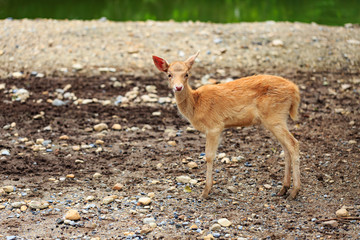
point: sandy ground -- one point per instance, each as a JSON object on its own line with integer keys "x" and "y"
{"x": 56, "y": 47}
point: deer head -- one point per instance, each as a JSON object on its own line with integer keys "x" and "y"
{"x": 178, "y": 72}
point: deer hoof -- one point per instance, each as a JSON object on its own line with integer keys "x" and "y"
{"x": 283, "y": 191}
{"x": 293, "y": 195}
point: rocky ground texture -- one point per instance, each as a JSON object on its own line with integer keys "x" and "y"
{"x": 93, "y": 147}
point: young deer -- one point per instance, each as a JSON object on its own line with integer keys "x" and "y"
{"x": 260, "y": 99}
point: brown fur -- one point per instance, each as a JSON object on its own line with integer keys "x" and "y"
{"x": 260, "y": 99}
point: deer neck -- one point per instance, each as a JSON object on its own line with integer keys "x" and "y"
{"x": 185, "y": 101}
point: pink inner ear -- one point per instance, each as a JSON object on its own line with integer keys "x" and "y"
{"x": 160, "y": 63}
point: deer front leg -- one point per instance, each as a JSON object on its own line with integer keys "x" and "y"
{"x": 212, "y": 142}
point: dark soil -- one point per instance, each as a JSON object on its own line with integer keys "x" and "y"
{"x": 328, "y": 131}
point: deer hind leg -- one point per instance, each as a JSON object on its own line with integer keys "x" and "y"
{"x": 291, "y": 150}
{"x": 212, "y": 142}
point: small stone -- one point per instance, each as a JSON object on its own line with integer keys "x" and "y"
{"x": 172, "y": 143}
{"x": 5, "y": 152}
{"x": 156, "y": 114}
{"x": 146, "y": 229}
{"x": 58, "y": 102}
{"x": 118, "y": 187}
{"x": 101, "y": 126}
{"x": 72, "y": 215}
{"x": 144, "y": 201}
{"x": 2, "y": 206}
{"x": 116, "y": 126}
{"x": 267, "y": 186}
{"x": 17, "y": 204}
{"x": 190, "y": 129}
{"x": 23, "y": 208}
{"x": 17, "y": 74}
{"x": 90, "y": 198}
{"x": 70, "y": 176}
{"x": 64, "y": 137}
{"x": 148, "y": 220}
{"x": 151, "y": 195}
{"x": 193, "y": 227}
{"x": 215, "y": 227}
{"x": 221, "y": 155}
{"x": 224, "y": 222}
{"x": 192, "y": 165}
{"x": 209, "y": 237}
{"x": 99, "y": 142}
{"x": 109, "y": 199}
{"x": 8, "y": 189}
{"x": 183, "y": 179}
{"x": 76, "y": 148}
{"x": 38, "y": 204}
{"x": 77, "y": 66}
{"x": 232, "y": 189}
{"x": 345, "y": 86}
{"x": 277, "y": 43}
{"x": 97, "y": 175}
{"x": 342, "y": 213}
{"x": 331, "y": 223}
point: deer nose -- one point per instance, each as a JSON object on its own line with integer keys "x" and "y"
{"x": 178, "y": 88}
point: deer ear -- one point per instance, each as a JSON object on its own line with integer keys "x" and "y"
{"x": 190, "y": 61}
{"x": 160, "y": 63}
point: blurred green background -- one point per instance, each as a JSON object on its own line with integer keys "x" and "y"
{"x": 329, "y": 12}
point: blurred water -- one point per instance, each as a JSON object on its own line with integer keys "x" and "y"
{"x": 329, "y": 12}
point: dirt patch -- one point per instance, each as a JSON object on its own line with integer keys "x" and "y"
{"x": 141, "y": 157}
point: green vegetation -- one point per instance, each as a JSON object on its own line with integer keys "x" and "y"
{"x": 329, "y": 12}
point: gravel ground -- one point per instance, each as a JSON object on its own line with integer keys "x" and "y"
{"x": 92, "y": 145}
{"x": 55, "y": 47}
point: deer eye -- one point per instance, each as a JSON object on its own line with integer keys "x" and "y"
{"x": 186, "y": 75}
{"x": 170, "y": 76}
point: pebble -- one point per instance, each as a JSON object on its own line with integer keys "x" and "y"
{"x": 149, "y": 220}
{"x": 17, "y": 74}
{"x": 57, "y": 102}
{"x": 215, "y": 227}
{"x": 38, "y": 204}
{"x": 224, "y": 222}
{"x": 118, "y": 187}
{"x": 70, "y": 176}
{"x": 22, "y": 95}
{"x": 101, "y": 126}
{"x": 183, "y": 179}
{"x": 9, "y": 189}
{"x": 17, "y": 204}
{"x": 209, "y": 237}
{"x": 221, "y": 155}
{"x": 116, "y": 126}
{"x": 331, "y": 223}
{"x": 77, "y": 66}
{"x": 97, "y": 175}
{"x": 192, "y": 165}
{"x": 72, "y": 215}
{"x": 151, "y": 195}
{"x": 267, "y": 186}
{"x": 277, "y": 43}
{"x": 146, "y": 229}
{"x": 90, "y": 198}
{"x": 5, "y": 152}
{"x": 76, "y": 148}
{"x": 144, "y": 201}
{"x": 342, "y": 213}
{"x": 64, "y": 137}
{"x": 109, "y": 199}
{"x": 232, "y": 189}
{"x": 23, "y": 208}
{"x": 2, "y": 206}
{"x": 171, "y": 143}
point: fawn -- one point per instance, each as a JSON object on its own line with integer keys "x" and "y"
{"x": 259, "y": 99}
